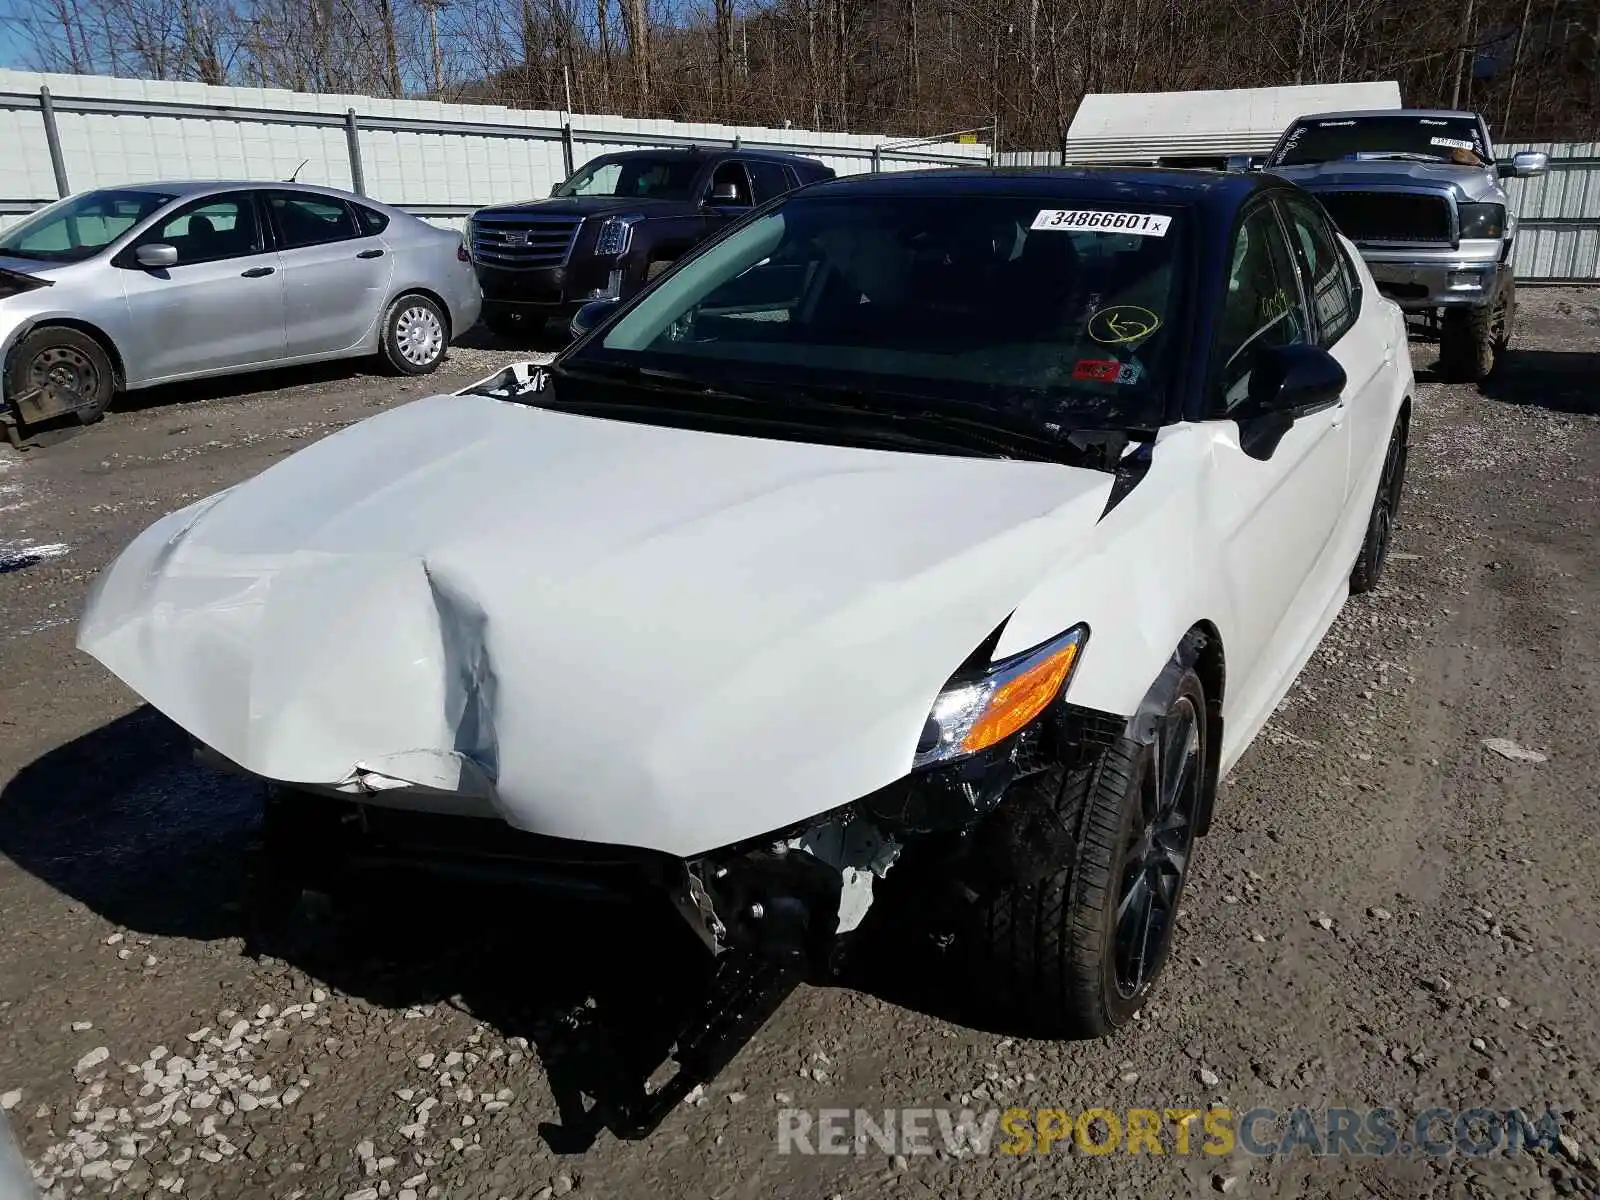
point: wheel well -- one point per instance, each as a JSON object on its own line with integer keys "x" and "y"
{"x": 1211, "y": 666}
{"x": 427, "y": 294}
{"x": 119, "y": 374}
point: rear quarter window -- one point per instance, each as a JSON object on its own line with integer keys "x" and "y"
{"x": 370, "y": 220}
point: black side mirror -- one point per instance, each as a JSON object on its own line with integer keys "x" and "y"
{"x": 724, "y": 193}
{"x": 590, "y": 315}
{"x": 1286, "y": 383}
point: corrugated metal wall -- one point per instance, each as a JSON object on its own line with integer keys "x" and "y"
{"x": 1558, "y": 233}
{"x": 441, "y": 161}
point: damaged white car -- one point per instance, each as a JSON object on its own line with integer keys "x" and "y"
{"x": 953, "y": 532}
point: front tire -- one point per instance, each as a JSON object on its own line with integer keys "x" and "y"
{"x": 70, "y": 369}
{"x": 416, "y": 334}
{"x": 1468, "y": 344}
{"x": 1385, "y": 508}
{"x": 1077, "y": 952}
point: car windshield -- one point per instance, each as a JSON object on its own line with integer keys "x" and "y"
{"x": 80, "y": 226}
{"x": 1457, "y": 140}
{"x": 1053, "y": 313}
{"x": 647, "y": 178}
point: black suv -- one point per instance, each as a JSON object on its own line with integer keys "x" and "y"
{"x": 616, "y": 224}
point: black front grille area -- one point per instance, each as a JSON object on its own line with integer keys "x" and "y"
{"x": 1407, "y": 218}
{"x": 523, "y": 240}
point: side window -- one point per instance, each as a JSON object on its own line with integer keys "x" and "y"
{"x": 372, "y": 221}
{"x": 1263, "y": 306}
{"x": 308, "y": 220}
{"x": 792, "y": 175}
{"x": 211, "y": 229}
{"x": 1328, "y": 280}
{"x": 602, "y": 183}
{"x": 730, "y": 174}
{"x": 769, "y": 179}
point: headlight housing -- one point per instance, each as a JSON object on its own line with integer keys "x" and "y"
{"x": 616, "y": 233}
{"x": 1483, "y": 220}
{"x": 973, "y": 714}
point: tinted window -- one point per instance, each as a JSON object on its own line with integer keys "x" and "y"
{"x": 1429, "y": 139}
{"x": 371, "y": 221}
{"x": 216, "y": 227}
{"x": 305, "y": 220}
{"x": 1323, "y": 269}
{"x": 80, "y": 226}
{"x": 665, "y": 178}
{"x": 1262, "y": 307}
{"x": 952, "y": 297}
{"x": 730, "y": 173}
{"x": 769, "y": 180}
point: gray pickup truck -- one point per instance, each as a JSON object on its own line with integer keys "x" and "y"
{"x": 1419, "y": 193}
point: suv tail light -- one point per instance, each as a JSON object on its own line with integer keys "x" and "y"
{"x": 461, "y": 253}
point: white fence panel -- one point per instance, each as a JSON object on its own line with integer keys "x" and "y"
{"x": 440, "y": 160}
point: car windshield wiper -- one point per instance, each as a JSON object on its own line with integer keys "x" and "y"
{"x": 779, "y": 403}
{"x": 1400, "y": 156}
{"x": 975, "y": 416}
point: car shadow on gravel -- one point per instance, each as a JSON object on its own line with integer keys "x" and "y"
{"x": 544, "y": 338}
{"x": 1561, "y": 381}
{"x": 125, "y": 821}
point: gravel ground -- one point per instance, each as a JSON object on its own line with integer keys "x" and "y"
{"x": 1387, "y": 913}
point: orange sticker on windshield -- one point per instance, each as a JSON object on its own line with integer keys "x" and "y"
{"x": 1123, "y": 324}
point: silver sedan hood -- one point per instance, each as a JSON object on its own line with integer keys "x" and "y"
{"x": 601, "y": 630}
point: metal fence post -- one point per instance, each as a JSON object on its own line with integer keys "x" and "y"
{"x": 352, "y": 141}
{"x": 877, "y": 160}
{"x": 566, "y": 148}
{"x": 52, "y": 139}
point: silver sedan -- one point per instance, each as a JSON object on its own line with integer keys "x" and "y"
{"x": 123, "y": 288}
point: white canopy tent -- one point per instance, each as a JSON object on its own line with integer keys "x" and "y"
{"x": 1176, "y": 128}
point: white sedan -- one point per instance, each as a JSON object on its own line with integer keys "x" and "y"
{"x": 950, "y": 532}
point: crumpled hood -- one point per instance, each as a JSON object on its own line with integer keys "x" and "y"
{"x": 611, "y": 631}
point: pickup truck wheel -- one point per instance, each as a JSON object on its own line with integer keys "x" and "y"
{"x": 1467, "y": 344}
{"x": 1077, "y": 952}
{"x": 1385, "y": 507}
{"x": 1505, "y": 315}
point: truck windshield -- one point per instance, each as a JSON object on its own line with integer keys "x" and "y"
{"x": 1055, "y": 312}
{"x": 1456, "y": 140}
{"x": 80, "y": 226}
{"x": 640, "y": 178}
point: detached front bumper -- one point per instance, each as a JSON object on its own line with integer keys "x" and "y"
{"x": 1417, "y": 285}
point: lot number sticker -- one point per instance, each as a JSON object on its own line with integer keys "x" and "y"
{"x": 1080, "y": 220}
{"x": 1451, "y": 143}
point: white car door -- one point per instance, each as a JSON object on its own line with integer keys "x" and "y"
{"x": 1354, "y": 329}
{"x": 220, "y": 307}
{"x": 335, "y": 274}
{"x": 1277, "y": 512}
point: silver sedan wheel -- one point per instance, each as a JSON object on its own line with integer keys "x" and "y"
{"x": 419, "y": 335}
